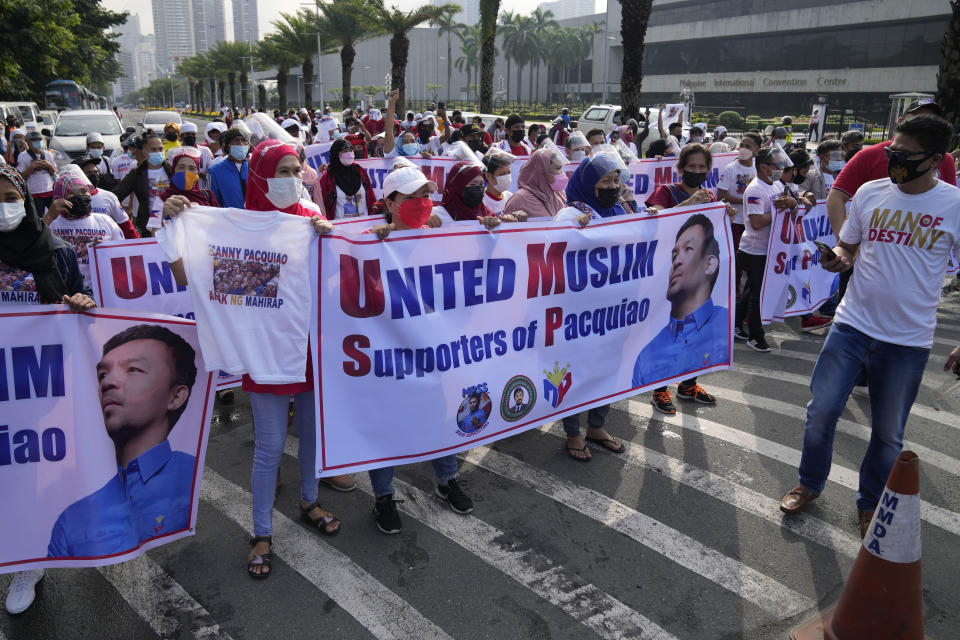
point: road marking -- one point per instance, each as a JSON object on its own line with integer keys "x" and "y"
{"x": 380, "y": 610}
{"x": 161, "y": 601}
{"x": 848, "y": 427}
{"x": 727, "y": 491}
{"x": 938, "y": 516}
{"x": 778, "y": 329}
{"x": 584, "y": 602}
{"x": 736, "y": 577}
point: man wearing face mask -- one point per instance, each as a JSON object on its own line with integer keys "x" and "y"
{"x": 497, "y": 176}
{"x": 762, "y": 197}
{"x": 778, "y": 137}
{"x": 733, "y": 183}
{"x": 473, "y": 136}
{"x": 171, "y": 136}
{"x": 150, "y": 178}
{"x": 101, "y": 200}
{"x": 515, "y": 142}
{"x": 38, "y": 169}
{"x": 427, "y": 138}
{"x": 697, "y": 134}
{"x": 95, "y": 149}
{"x": 577, "y": 147}
{"x": 820, "y": 178}
{"x": 228, "y": 179}
{"x": 900, "y": 232}
{"x": 852, "y": 143}
{"x": 188, "y": 138}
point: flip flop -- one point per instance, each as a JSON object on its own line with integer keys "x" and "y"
{"x": 583, "y": 448}
{"x": 603, "y": 443}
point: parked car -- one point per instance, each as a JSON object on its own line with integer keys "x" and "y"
{"x": 68, "y": 140}
{"x": 156, "y": 120}
{"x": 29, "y": 114}
{"x": 607, "y": 117}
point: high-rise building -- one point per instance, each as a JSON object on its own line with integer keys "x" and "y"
{"x": 137, "y": 57}
{"x": 174, "y": 31}
{"x": 566, "y": 9}
{"x": 209, "y": 24}
{"x": 471, "y": 10}
{"x": 245, "y": 21}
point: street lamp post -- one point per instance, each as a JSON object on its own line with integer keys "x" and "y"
{"x": 606, "y": 62}
{"x": 363, "y": 90}
{"x": 253, "y": 99}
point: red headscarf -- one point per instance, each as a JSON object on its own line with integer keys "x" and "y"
{"x": 458, "y": 178}
{"x": 263, "y": 165}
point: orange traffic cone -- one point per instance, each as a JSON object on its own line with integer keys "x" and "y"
{"x": 883, "y": 597}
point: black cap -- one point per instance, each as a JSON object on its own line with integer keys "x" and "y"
{"x": 925, "y": 102}
{"x": 513, "y": 119}
{"x": 469, "y": 129}
{"x": 34, "y": 135}
{"x": 83, "y": 161}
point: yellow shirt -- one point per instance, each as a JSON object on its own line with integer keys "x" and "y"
{"x": 167, "y": 145}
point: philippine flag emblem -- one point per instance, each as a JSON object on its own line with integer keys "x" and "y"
{"x": 556, "y": 384}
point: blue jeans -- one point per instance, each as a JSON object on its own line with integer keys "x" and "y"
{"x": 269, "y": 434}
{"x": 445, "y": 469}
{"x": 894, "y": 373}
{"x": 596, "y": 418}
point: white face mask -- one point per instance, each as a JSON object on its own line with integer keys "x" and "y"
{"x": 11, "y": 215}
{"x": 578, "y": 155}
{"x": 776, "y": 174}
{"x": 503, "y": 182}
{"x": 284, "y": 192}
{"x": 745, "y": 154}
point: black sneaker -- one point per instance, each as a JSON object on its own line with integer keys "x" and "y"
{"x": 454, "y": 495}
{"x": 739, "y": 333}
{"x": 758, "y": 344}
{"x": 662, "y": 401}
{"x": 388, "y": 520}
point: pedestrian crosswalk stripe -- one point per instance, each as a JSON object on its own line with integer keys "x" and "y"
{"x": 731, "y": 574}
{"x": 161, "y": 601}
{"x": 938, "y": 516}
{"x": 380, "y": 610}
{"x": 848, "y": 427}
{"x": 725, "y": 490}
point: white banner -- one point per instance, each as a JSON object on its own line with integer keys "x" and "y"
{"x": 459, "y": 336}
{"x": 794, "y": 283}
{"x": 100, "y": 460}
{"x": 134, "y": 274}
{"x": 318, "y": 155}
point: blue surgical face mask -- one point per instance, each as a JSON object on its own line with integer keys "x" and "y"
{"x": 132, "y": 154}
{"x": 155, "y": 158}
{"x": 239, "y": 151}
{"x": 835, "y": 165}
{"x": 96, "y": 153}
{"x": 37, "y": 144}
{"x": 410, "y": 149}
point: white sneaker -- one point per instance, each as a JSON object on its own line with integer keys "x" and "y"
{"x": 22, "y": 590}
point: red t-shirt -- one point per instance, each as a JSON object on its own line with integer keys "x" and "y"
{"x": 670, "y": 195}
{"x": 871, "y": 164}
{"x": 373, "y": 126}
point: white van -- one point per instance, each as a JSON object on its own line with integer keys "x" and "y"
{"x": 29, "y": 113}
{"x": 607, "y": 117}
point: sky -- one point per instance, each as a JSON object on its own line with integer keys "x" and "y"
{"x": 269, "y": 10}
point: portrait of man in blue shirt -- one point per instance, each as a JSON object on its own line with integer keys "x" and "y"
{"x": 145, "y": 377}
{"x": 475, "y": 417}
{"x": 698, "y": 332}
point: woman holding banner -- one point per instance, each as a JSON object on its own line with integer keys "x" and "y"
{"x": 345, "y": 187}
{"x": 542, "y": 183}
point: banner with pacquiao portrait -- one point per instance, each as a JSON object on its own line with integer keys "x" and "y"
{"x": 105, "y": 423}
{"x": 437, "y": 341}
{"x": 794, "y": 283}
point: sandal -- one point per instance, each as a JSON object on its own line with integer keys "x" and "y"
{"x": 323, "y": 523}
{"x": 603, "y": 442}
{"x": 583, "y": 448}
{"x": 260, "y": 560}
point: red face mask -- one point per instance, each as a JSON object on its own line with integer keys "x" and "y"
{"x": 414, "y": 212}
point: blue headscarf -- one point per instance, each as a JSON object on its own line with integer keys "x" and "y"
{"x": 584, "y": 180}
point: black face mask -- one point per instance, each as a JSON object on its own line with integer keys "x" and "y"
{"x": 472, "y": 196}
{"x": 172, "y": 137}
{"x": 474, "y": 144}
{"x": 80, "y": 207}
{"x": 516, "y": 136}
{"x": 606, "y": 198}
{"x": 797, "y": 178}
{"x": 902, "y": 170}
{"x": 94, "y": 179}
{"x": 694, "y": 180}
{"x": 424, "y": 134}
{"x": 189, "y": 141}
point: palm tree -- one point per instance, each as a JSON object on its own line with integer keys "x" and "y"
{"x": 587, "y": 34}
{"x": 507, "y": 30}
{"x": 448, "y": 26}
{"x": 542, "y": 22}
{"x": 488, "y": 51}
{"x": 470, "y": 47}
{"x": 398, "y": 24}
{"x": 948, "y": 89}
{"x": 634, "y": 18}
{"x": 272, "y": 52}
{"x": 298, "y": 33}
{"x": 524, "y": 47}
{"x": 345, "y": 22}
{"x": 228, "y": 64}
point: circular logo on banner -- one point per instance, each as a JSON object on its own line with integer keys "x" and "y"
{"x": 791, "y": 296}
{"x": 518, "y": 398}
{"x": 474, "y": 411}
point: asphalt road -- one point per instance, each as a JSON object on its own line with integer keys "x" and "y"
{"x": 679, "y": 537}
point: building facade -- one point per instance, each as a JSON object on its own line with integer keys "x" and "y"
{"x": 209, "y": 24}
{"x": 245, "y": 27}
{"x": 567, "y": 9}
{"x": 174, "y": 32}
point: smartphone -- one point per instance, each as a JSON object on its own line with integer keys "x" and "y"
{"x": 826, "y": 251}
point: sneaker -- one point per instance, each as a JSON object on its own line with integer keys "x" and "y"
{"x": 758, "y": 344}
{"x": 22, "y": 590}
{"x": 739, "y": 333}
{"x": 663, "y": 402}
{"x": 696, "y": 393}
{"x": 455, "y": 497}
{"x": 388, "y": 519}
{"x": 814, "y": 322}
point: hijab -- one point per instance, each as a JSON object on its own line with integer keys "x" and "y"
{"x": 190, "y": 188}
{"x": 346, "y": 178}
{"x": 536, "y": 196}
{"x": 31, "y": 246}
{"x": 263, "y": 166}
{"x": 459, "y": 177}
{"x": 583, "y": 182}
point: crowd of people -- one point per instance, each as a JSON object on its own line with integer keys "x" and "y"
{"x": 874, "y": 341}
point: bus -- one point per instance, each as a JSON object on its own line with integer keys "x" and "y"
{"x": 67, "y": 94}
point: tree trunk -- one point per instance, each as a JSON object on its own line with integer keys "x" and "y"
{"x": 308, "y": 82}
{"x": 213, "y": 94}
{"x": 399, "y": 50}
{"x": 232, "y": 78}
{"x": 948, "y": 76}
{"x": 244, "y": 95}
{"x": 488, "y": 28}
{"x": 282, "y": 74}
{"x": 538, "y": 82}
{"x": 450, "y": 69}
{"x": 198, "y": 90}
{"x": 507, "y": 95}
{"x": 519, "y": 84}
{"x": 347, "y": 55}
{"x": 634, "y": 18}
{"x": 223, "y": 92}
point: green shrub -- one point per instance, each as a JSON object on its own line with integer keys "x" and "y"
{"x": 731, "y": 120}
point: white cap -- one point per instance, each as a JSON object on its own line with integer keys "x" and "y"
{"x": 405, "y": 180}
{"x": 289, "y": 122}
{"x": 188, "y": 127}
{"x": 719, "y": 131}
{"x": 304, "y": 110}
{"x": 700, "y": 125}
{"x": 93, "y": 136}
{"x": 18, "y": 132}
